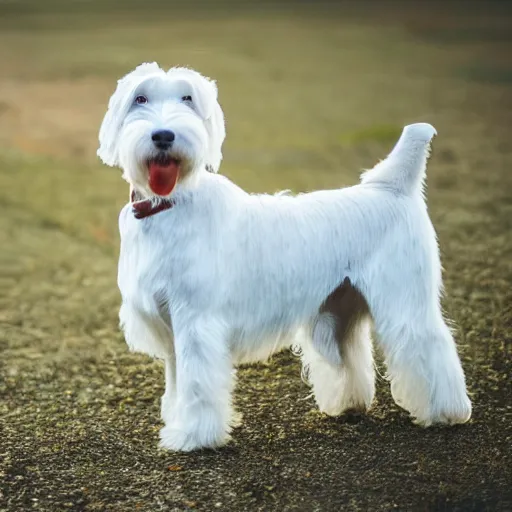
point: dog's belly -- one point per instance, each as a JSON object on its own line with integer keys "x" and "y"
{"x": 272, "y": 314}
{"x": 259, "y": 346}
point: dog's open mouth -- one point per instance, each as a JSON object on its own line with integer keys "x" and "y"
{"x": 164, "y": 172}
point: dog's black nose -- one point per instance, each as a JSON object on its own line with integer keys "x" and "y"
{"x": 163, "y": 139}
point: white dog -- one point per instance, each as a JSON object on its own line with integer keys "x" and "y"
{"x": 212, "y": 276}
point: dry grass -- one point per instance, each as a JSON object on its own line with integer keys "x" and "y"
{"x": 310, "y": 98}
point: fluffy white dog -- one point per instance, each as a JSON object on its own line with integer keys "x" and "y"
{"x": 212, "y": 276}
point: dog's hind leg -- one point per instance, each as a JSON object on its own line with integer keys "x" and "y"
{"x": 337, "y": 353}
{"x": 421, "y": 357}
{"x": 424, "y": 368}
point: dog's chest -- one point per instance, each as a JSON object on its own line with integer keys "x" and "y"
{"x": 159, "y": 259}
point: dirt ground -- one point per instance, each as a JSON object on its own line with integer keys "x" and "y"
{"x": 311, "y": 96}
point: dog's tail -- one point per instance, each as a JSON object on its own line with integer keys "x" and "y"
{"x": 404, "y": 169}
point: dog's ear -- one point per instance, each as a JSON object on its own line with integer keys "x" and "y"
{"x": 216, "y": 134}
{"x": 206, "y": 102}
{"x": 118, "y": 107}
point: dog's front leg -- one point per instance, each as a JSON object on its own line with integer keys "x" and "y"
{"x": 202, "y": 411}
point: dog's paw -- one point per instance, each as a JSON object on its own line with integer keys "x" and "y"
{"x": 446, "y": 404}
{"x": 178, "y": 439}
{"x": 345, "y": 404}
{"x": 453, "y": 414}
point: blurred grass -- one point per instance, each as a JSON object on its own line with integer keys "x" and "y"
{"x": 312, "y": 95}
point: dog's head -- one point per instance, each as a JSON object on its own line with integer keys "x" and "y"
{"x": 161, "y": 127}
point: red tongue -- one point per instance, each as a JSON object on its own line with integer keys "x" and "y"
{"x": 163, "y": 178}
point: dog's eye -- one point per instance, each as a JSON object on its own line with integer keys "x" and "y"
{"x": 186, "y": 98}
{"x": 140, "y": 100}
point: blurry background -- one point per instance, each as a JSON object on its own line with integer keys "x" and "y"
{"x": 312, "y": 93}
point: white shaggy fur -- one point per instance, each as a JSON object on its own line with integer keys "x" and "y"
{"x": 225, "y": 277}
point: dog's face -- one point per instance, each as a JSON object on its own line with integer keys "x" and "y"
{"x": 162, "y": 127}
